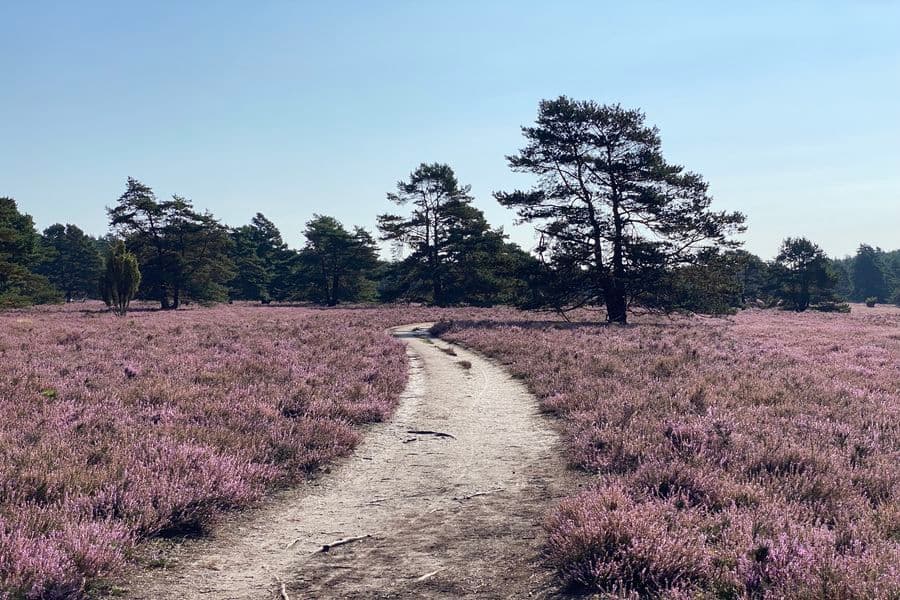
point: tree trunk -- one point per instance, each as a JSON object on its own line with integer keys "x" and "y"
{"x": 335, "y": 285}
{"x": 803, "y": 303}
{"x": 438, "y": 290}
{"x": 176, "y": 299}
{"x": 616, "y": 306}
{"x": 616, "y": 303}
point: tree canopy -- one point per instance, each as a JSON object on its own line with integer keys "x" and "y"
{"x": 20, "y": 253}
{"x": 801, "y": 274}
{"x": 618, "y": 226}
{"x": 336, "y": 264}
{"x": 182, "y": 253}
{"x": 439, "y": 206}
{"x": 612, "y": 213}
{"x": 455, "y": 257}
{"x": 869, "y": 275}
{"x": 265, "y": 269}
{"x": 71, "y": 261}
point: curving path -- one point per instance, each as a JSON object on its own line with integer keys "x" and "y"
{"x": 448, "y": 517}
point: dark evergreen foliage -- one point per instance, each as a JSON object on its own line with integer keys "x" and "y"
{"x": 120, "y": 279}
{"x": 612, "y": 212}
{"x": 801, "y": 275}
{"x": 618, "y": 227}
{"x": 869, "y": 275}
{"x": 454, "y": 255}
{"x": 71, "y": 261}
{"x": 182, "y": 253}
{"x": 336, "y": 265}
{"x": 20, "y": 254}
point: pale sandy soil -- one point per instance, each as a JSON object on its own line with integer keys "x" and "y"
{"x": 449, "y": 517}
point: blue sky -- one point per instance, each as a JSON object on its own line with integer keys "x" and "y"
{"x": 790, "y": 109}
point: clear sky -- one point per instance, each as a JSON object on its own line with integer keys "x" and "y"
{"x": 790, "y": 109}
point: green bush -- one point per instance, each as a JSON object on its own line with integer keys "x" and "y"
{"x": 871, "y": 301}
{"x": 838, "y": 307}
{"x": 120, "y": 280}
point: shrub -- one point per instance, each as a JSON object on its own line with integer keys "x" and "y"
{"x": 120, "y": 280}
{"x": 603, "y": 540}
{"x": 838, "y": 307}
{"x": 871, "y": 301}
{"x": 440, "y": 328}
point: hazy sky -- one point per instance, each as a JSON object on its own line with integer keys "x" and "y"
{"x": 790, "y": 109}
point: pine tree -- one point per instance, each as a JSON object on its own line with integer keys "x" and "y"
{"x": 19, "y": 256}
{"x": 439, "y": 206}
{"x": 71, "y": 260}
{"x": 801, "y": 275}
{"x": 614, "y": 216}
{"x": 867, "y": 274}
{"x": 336, "y": 264}
{"x": 181, "y": 252}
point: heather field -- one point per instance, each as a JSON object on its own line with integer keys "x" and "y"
{"x": 753, "y": 457}
{"x": 118, "y": 429}
{"x": 756, "y": 456}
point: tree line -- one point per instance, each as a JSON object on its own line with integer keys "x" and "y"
{"x": 618, "y": 226}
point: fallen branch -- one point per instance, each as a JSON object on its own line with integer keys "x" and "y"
{"x": 427, "y": 432}
{"x": 284, "y": 594}
{"x": 341, "y": 542}
{"x": 292, "y": 544}
{"x": 428, "y": 576}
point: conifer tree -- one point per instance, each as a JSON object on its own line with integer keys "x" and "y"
{"x": 120, "y": 280}
{"x": 614, "y": 216}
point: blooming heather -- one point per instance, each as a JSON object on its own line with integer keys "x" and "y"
{"x": 114, "y": 430}
{"x": 750, "y": 457}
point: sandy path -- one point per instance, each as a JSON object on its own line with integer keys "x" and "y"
{"x": 413, "y": 494}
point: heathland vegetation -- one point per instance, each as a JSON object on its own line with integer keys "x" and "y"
{"x": 753, "y": 456}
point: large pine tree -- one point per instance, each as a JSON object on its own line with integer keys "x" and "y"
{"x": 440, "y": 206}
{"x": 182, "y": 253}
{"x": 614, "y": 216}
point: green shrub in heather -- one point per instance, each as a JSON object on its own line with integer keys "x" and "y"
{"x": 120, "y": 280}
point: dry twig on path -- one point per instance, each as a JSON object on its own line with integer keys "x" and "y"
{"x": 341, "y": 542}
{"x": 429, "y": 432}
{"x": 283, "y": 588}
{"x": 428, "y": 576}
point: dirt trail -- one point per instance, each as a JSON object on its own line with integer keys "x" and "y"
{"x": 448, "y": 517}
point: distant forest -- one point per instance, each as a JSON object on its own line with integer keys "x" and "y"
{"x": 619, "y": 227}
